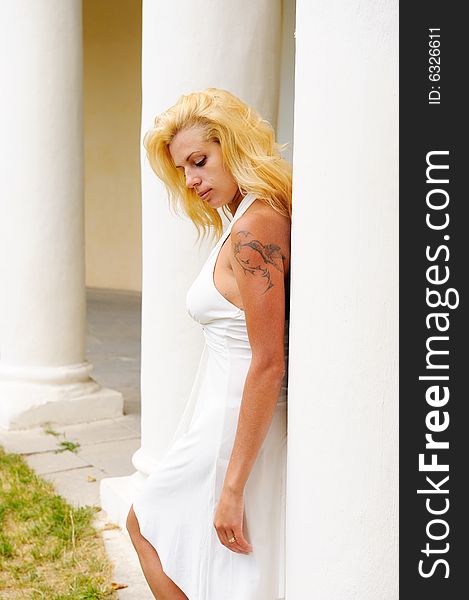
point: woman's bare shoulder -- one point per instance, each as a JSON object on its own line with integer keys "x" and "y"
{"x": 263, "y": 228}
{"x": 264, "y": 219}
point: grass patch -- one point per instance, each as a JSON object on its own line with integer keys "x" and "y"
{"x": 51, "y": 431}
{"x": 67, "y": 445}
{"x": 63, "y": 446}
{"x": 48, "y": 549}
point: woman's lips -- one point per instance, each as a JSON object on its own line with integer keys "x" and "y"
{"x": 205, "y": 194}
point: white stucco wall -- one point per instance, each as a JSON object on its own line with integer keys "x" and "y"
{"x": 112, "y": 34}
{"x": 343, "y": 415}
{"x": 287, "y": 79}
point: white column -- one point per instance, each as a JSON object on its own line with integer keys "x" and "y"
{"x": 342, "y": 492}
{"x": 43, "y": 372}
{"x": 187, "y": 47}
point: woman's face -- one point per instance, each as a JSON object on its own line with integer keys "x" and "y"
{"x": 202, "y": 164}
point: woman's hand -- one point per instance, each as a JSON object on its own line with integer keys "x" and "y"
{"x": 228, "y": 522}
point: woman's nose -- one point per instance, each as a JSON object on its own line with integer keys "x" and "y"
{"x": 192, "y": 180}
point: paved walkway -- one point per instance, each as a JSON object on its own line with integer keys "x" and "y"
{"x": 102, "y": 448}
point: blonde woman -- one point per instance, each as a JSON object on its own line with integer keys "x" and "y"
{"x": 209, "y": 523}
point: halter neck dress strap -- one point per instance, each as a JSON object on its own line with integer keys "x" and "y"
{"x": 242, "y": 208}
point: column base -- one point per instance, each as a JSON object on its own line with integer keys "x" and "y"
{"x": 117, "y": 495}
{"x": 27, "y": 404}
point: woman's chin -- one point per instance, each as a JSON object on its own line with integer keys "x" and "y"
{"x": 214, "y": 203}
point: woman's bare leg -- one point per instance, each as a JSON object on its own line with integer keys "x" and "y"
{"x": 161, "y": 585}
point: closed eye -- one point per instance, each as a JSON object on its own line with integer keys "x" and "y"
{"x": 201, "y": 163}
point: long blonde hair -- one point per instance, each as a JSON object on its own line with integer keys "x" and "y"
{"x": 248, "y": 147}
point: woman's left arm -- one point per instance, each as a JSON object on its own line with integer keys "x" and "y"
{"x": 259, "y": 255}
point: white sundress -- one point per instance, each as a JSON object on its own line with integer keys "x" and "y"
{"x": 176, "y": 507}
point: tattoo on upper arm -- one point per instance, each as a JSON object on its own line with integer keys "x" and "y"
{"x": 257, "y": 258}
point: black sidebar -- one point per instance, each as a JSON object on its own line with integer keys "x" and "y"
{"x": 434, "y": 344}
